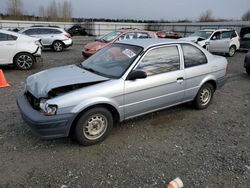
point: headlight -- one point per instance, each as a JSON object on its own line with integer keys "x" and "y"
{"x": 48, "y": 109}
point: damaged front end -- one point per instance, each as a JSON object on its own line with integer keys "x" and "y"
{"x": 40, "y": 104}
{"x": 46, "y": 85}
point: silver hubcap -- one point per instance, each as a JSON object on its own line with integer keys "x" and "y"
{"x": 205, "y": 96}
{"x": 58, "y": 46}
{"x": 24, "y": 61}
{"x": 231, "y": 51}
{"x": 95, "y": 127}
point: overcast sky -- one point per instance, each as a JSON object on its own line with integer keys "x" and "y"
{"x": 145, "y": 9}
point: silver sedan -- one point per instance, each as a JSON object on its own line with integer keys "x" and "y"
{"x": 122, "y": 81}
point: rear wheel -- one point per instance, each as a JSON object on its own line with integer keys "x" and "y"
{"x": 93, "y": 126}
{"x": 57, "y": 46}
{"x": 232, "y": 51}
{"x": 24, "y": 61}
{"x": 204, "y": 96}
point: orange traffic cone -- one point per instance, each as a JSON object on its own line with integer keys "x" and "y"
{"x": 3, "y": 82}
{"x": 176, "y": 183}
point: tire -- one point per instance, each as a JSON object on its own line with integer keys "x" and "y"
{"x": 57, "y": 46}
{"x": 248, "y": 70}
{"x": 232, "y": 51}
{"x": 204, "y": 96}
{"x": 24, "y": 61}
{"x": 93, "y": 126}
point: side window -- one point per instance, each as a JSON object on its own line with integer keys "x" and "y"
{"x": 226, "y": 35}
{"x": 160, "y": 60}
{"x": 11, "y": 37}
{"x": 53, "y": 31}
{"x": 3, "y": 37}
{"x": 129, "y": 36}
{"x": 246, "y": 36}
{"x": 44, "y": 31}
{"x": 216, "y": 36}
{"x": 193, "y": 56}
{"x": 29, "y": 32}
{"x": 143, "y": 36}
{"x": 6, "y": 37}
{"x": 234, "y": 34}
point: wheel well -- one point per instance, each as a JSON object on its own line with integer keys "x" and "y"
{"x": 109, "y": 107}
{"x": 13, "y": 60}
{"x": 233, "y": 45}
{"x": 58, "y": 41}
{"x": 213, "y": 83}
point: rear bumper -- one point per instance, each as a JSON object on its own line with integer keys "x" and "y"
{"x": 67, "y": 42}
{"x": 221, "y": 81}
{"x": 46, "y": 127}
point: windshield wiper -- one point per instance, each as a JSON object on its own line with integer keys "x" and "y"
{"x": 91, "y": 70}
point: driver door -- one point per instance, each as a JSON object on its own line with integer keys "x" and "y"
{"x": 163, "y": 86}
{"x": 218, "y": 43}
{"x": 7, "y": 48}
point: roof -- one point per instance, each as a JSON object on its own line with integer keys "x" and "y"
{"x": 147, "y": 43}
{"x": 222, "y": 29}
{"x": 133, "y": 30}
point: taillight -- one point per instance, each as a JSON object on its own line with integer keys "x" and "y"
{"x": 67, "y": 35}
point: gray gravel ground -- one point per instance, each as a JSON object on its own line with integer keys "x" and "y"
{"x": 208, "y": 148}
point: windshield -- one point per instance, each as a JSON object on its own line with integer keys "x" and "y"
{"x": 109, "y": 37}
{"x": 113, "y": 60}
{"x": 203, "y": 34}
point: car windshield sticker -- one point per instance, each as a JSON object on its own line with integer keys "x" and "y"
{"x": 129, "y": 53}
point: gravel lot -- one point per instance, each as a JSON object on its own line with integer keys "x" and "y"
{"x": 208, "y": 148}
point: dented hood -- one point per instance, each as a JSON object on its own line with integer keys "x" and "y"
{"x": 41, "y": 83}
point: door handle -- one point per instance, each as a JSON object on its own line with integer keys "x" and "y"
{"x": 180, "y": 80}
{"x": 10, "y": 44}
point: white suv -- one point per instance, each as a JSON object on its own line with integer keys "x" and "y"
{"x": 51, "y": 37}
{"x": 217, "y": 40}
{"x": 20, "y": 50}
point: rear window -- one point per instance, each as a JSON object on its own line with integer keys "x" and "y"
{"x": 193, "y": 56}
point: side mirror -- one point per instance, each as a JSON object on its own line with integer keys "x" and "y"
{"x": 137, "y": 74}
{"x": 214, "y": 38}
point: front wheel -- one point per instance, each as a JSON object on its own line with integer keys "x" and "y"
{"x": 93, "y": 126}
{"x": 204, "y": 96}
{"x": 24, "y": 61}
{"x": 57, "y": 46}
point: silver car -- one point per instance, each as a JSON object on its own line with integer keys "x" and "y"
{"x": 121, "y": 81}
{"x": 51, "y": 37}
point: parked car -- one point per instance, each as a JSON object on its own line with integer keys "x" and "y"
{"x": 247, "y": 63}
{"x": 103, "y": 41}
{"x": 168, "y": 34}
{"x": 51, "y": 37}
{"x": 77, "y": 30}
{"x": 217, "y": 40}
{"x": 123, "y": 80}
{"x": 245, "y": 38}
{"x": 20, "y": 50}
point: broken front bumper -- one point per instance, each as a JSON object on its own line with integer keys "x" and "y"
{"x": 44, "y": 126}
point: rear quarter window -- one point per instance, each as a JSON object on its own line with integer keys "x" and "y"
{"x": 7, "y": 37}
{"x": 193, "y": 56}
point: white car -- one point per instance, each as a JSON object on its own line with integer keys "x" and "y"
{"x": 217, "y": 40}
{"x": 51, "y": 36}
{"x": 20, "y": 50}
